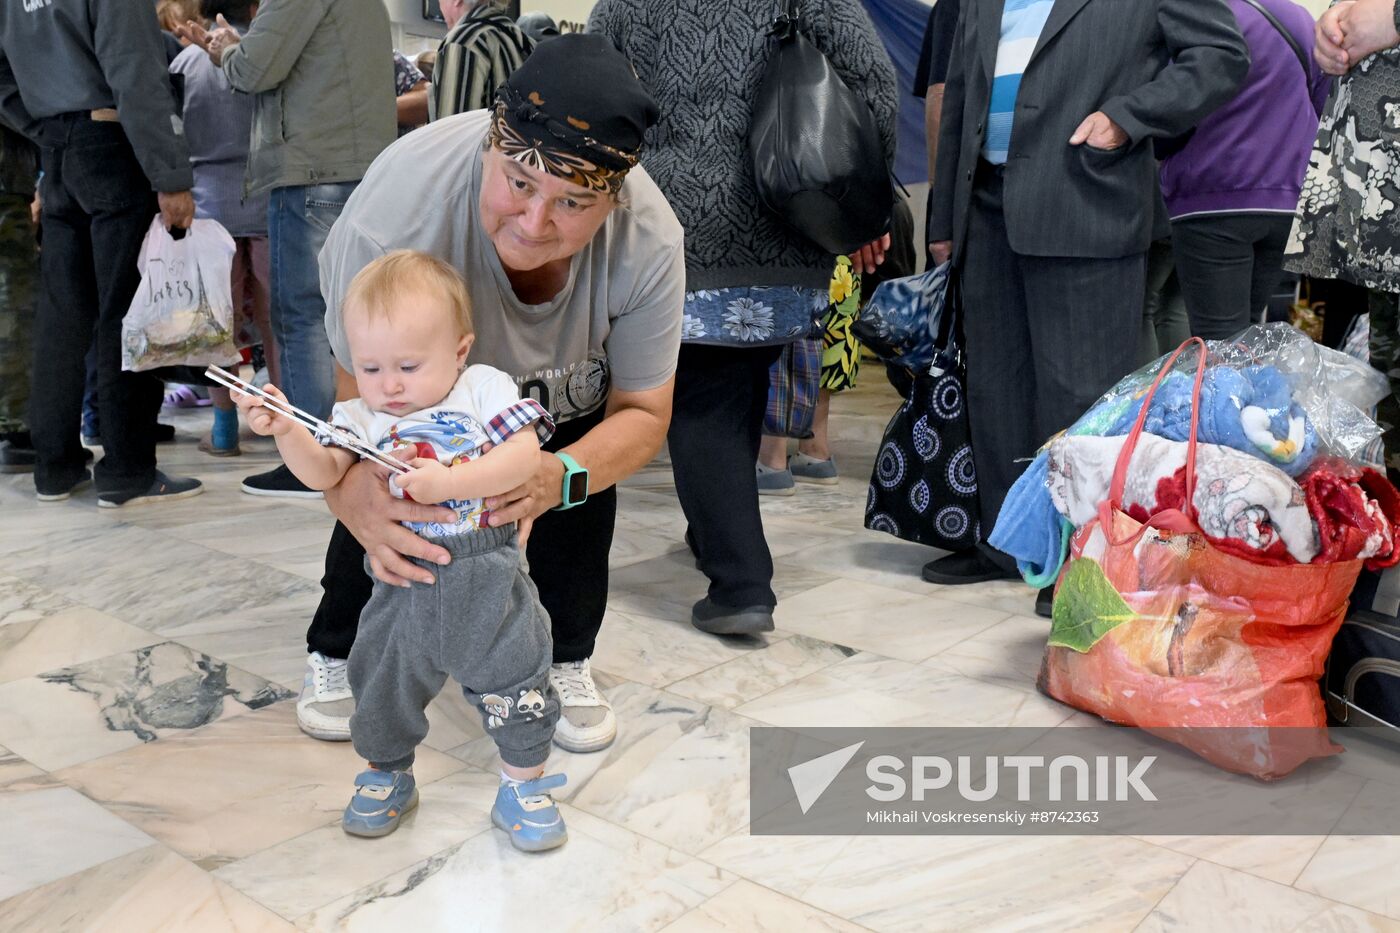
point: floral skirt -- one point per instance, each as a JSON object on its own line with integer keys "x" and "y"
{"x": 751, "y": 316}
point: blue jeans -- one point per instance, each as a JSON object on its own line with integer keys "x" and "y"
{"x": 298, "y": 221}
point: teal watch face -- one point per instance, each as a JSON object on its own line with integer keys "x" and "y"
{"x": 575, "y": 487}
{"x": 575, "y": 491}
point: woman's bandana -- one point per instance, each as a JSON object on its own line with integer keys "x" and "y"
{"x": 565, "y": 159}
{"x": 576, "y": 110}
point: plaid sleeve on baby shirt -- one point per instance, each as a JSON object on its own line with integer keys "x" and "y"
{"x": 523, "y": 413}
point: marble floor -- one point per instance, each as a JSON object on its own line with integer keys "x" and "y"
{"x": 152, "y": 776}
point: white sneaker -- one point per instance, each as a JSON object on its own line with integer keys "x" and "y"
{"x": 325, "y": 704}
{"x": 586, "y": 721}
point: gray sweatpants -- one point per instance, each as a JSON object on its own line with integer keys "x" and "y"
{"x": 482, "y": 624}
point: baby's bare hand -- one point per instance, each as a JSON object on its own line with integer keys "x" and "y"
{"x": 261, "y": 419}
{"x": 430, "y": 482}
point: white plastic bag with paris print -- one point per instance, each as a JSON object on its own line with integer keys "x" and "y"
{"x": 182, "y": 315}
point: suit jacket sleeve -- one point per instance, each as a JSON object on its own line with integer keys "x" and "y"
{"x": 264, "y": 57}
{"x": 1209, "y": 62}
{"x": 944, "y": 182}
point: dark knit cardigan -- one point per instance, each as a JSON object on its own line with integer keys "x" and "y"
{"x": 703, "y": 60}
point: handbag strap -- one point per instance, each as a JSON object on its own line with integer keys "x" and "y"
{"x": 949, "y": 338}
{"x": 1120, "y": 470}
{"x": 1287, "y": 37}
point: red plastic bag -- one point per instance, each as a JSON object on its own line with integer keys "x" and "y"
{"x": 1156, "y": 627}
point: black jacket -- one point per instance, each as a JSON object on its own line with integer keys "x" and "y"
{"x": 1155, "y": 67}
{"x": 73, "y": 56}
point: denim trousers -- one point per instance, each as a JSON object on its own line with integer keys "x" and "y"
{"x": 98, "y": 205}
{"x": 299, "y": 218}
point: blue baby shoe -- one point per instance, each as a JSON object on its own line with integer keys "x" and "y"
{"x": 528, "y": 815}
{"x": 381, "y": 799}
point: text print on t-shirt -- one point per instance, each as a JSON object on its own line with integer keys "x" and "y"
{"x": 569, "y": 392}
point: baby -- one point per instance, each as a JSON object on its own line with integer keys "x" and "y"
{"x": 408, "y": 322}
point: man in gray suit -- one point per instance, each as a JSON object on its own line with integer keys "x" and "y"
{"x": 1044, "y": 197}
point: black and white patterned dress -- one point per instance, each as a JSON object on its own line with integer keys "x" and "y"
{"x": 1348, "y": 220}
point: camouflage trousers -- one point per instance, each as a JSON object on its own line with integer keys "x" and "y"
{"x": 19, "y": 288}
{"x": 1385, "y": 356}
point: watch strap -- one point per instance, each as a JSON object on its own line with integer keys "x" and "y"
{"x": 571, "y": 467}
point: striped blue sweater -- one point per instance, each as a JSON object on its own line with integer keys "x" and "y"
{"x": 1022, "y": 21}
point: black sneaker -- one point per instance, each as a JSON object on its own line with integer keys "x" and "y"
{"x": 709, "y": 616}
{"x": 164, "y": 488}
{"x": 280, "y": 483}
{"x": 59, "y": 495}
{"x": 1045, "y": 603}
{"x": 967, "y": 566}
{"x": 16, "y": 459}
{"x": 17, "y": 454}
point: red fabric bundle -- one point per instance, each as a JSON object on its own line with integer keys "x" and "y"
{"x": 1356, "y": 511}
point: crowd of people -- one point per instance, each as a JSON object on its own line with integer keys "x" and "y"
{"x": 525, "y": 261}
{"x": 1099, "y": 216}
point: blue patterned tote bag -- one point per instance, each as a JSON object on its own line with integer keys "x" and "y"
{"x": 904, "y": 317}
{"x": 924, "y": 486}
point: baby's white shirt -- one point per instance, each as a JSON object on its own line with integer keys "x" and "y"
{"x": 482, "y": 410}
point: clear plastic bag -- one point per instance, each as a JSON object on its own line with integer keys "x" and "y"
{"x": 1273, "y": 384}
{"x": 1155, "y": 626}
{"x": 182, "y": 314}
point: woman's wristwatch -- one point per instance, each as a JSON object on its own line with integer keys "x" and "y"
{"x": 575, "y": 485}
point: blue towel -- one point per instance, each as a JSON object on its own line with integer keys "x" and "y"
{"x": 1029, "y": 529}
{"x": 1250, "y": 410}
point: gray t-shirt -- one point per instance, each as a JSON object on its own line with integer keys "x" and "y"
{"x": 615, "y": 324}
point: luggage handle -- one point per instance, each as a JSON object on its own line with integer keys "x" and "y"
{"x": 1361, "y": 669}
{"x": 1125, "y": 456}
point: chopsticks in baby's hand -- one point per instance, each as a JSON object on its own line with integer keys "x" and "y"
{"x": 313, "y": 424}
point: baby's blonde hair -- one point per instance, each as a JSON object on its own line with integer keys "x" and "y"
{"x": 377, "y": 287}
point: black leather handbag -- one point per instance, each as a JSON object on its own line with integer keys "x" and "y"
{"x": 817, "y": 158}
